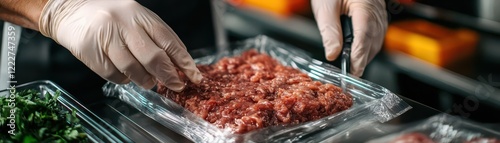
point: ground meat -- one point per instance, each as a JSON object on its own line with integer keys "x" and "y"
{"x": 253, "y": 91}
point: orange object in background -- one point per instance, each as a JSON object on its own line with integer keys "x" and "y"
{"x": 430, "y": 42}
{"x": 279, "y": 7}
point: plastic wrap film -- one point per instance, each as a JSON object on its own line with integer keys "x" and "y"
{"x": 371, "y": 102}
{"x": 442, "y": 128}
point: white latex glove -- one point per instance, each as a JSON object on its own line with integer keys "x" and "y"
{"x": 369, "y": 21}
{"x": 120, "y": 40}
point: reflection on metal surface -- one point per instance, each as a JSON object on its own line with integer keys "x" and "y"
{"x": 218, "y": 10}
{"x": 445, "y": 79}
{"x": 436, "y": 13}
{"x": 489, "y": 9}
{"x": 251, "y": 22}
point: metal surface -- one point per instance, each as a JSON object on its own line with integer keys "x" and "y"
{"x": 489, "y": 9}
{"x": 218, "y": 10}
{"x": 445, "y": 79}
{"x": 430, "y": 12}
{"x": 250, "y": 22}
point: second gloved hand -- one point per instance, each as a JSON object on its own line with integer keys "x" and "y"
{"x": 369, "y": 21}
{"x": 120, "y": 40}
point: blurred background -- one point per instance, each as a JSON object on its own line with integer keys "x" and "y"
{"x": 444, "y": 54}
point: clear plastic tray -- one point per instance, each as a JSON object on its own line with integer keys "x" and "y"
{"x": 96, "y": 128}
{"x": 371, "y": 102}
{"x": 444, "y": 128}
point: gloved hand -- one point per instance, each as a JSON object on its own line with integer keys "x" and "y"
{"x": 369, "y": 21}
{"x": 120, "y": 40}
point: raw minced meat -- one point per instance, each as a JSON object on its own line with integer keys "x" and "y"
{"x": 253, "y": 91}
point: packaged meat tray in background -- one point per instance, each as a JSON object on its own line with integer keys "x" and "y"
{"x": 370, "y": 102}
{"x": 442, "y": 128}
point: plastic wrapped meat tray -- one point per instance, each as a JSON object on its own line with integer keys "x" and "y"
{"x": 371, "y": 102}
{"x": 442, "y": 128}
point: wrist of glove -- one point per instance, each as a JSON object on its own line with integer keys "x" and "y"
{"x": 369, "y": 21}
{"x": 121, "y": 41}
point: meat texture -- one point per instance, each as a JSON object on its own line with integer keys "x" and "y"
{"x": 253, "y": 91}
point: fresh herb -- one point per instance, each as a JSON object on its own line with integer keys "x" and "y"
{"x": 38, "y": 119}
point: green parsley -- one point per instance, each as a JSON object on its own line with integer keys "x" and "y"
{"x": 38, "y": 119}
